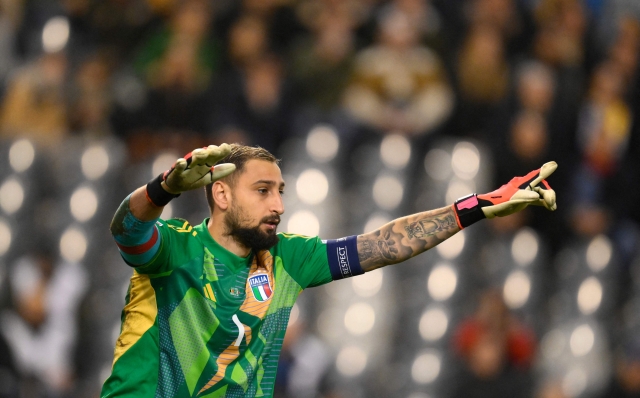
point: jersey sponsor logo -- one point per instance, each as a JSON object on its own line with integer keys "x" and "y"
{"x": 261, "y": 287}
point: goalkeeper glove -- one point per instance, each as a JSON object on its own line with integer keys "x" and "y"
{"x": 510, "y": 198}
{"x": 195, "y": 170}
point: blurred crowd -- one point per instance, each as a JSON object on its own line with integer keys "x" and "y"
{"x": 530, "y": 80}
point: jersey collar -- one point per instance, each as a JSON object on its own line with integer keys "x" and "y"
{"x": 232, "y": 261}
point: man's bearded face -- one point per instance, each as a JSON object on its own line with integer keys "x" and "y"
{"x": 239, "y": 227}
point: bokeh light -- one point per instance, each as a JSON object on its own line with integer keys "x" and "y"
{"x": 21, "y": 155}
{"x": 433, "y": 324}
{"x": 437, "y": 164}
{"x": 524, "y": 247}
{"x": 375, "y": 221}
{"x": 322, "y": 143}
{"x": 465, "y": 160}
{"x": 387, "y": 192}
{"x": 581, "y": 340}
{"x": 55, "y": 34}
{"x": 312, "y": 186}
{"x": 351, "y": 361}
{"x": 442, "y": 282}
{"x": 426, "y": 367}
{"x": 83, "y": 204}
{"x": 6, "y": 237}
{"x": 359, "y": 318}
{"x": 73, "y": 245}
{"x": 94, "y": 162}
{"x": 304, "y": 222}
{"x": 589, "y": 295}
{"x": 11, "y": 196}
{"x": 516, "y": 289}
{"x": 163, "y": 162}
{"x": 458, "y": 189}
{"x": 599, "y": 253}
{"x": 368, "y": 284}
{"x": 452, "y": 247}
{"x": 395, "y": 151}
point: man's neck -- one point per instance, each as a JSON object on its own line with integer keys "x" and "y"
{"x": 217, "y": 231}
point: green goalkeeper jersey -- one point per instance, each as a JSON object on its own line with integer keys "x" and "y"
{"x": 200, "y": 321}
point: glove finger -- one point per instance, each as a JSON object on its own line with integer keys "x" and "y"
{"x": 198, "y": 157}
{"x": 547, "y": 198}
{"x": 179, "y": 166}
{"x": 174, "y": 177}
{"x": 524, "y": 196}
{"x": 222, "y": 170}
{"x": 545, "y": 171}
{"x": 215, "y": 173}
{"x": 216, "y": 153}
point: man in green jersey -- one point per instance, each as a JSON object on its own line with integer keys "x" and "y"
{"x": 208, "y": 305}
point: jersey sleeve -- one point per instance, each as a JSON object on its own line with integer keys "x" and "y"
{"x": 154, "y": 247}
{"x": 305, "y": 259}
{"x": 314, "y": 262}
{"x": 138, "y": 241}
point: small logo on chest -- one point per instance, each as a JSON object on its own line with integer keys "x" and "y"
{"x": 261, "y": 287}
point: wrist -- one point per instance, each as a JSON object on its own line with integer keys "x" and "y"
{"x": 158, "y": 193}
{"x": 468, "y": 210}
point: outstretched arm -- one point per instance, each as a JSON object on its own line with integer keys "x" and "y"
{"x": 405, "y": 237}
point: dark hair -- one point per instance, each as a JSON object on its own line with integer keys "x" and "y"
{"x": 240, "y": 155}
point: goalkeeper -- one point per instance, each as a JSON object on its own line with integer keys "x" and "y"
{"x": 208, "y": 305}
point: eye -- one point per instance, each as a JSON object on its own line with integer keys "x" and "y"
{"x": 263, "y": 190}
{"x": 281, "y": 192}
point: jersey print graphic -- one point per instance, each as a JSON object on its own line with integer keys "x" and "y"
{"x": 255, "y": 305}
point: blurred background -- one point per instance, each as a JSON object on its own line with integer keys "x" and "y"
{"x": 377, "y": 109}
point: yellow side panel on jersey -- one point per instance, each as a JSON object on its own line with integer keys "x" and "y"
{"x": 139, "y": 314}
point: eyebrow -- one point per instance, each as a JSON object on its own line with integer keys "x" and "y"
{"x": 268, "y": 182}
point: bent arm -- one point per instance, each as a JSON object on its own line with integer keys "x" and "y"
{"x": 134, "y": 230}
{"x": 405, "y": 237}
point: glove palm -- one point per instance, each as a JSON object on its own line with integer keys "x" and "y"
{"x": 198, "y": 169}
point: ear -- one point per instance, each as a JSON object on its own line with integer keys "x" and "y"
{"x": 221, "y": 194}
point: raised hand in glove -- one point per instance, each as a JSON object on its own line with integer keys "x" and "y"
{"x": 510, "y": 198}
{"x": 197, "y": 169}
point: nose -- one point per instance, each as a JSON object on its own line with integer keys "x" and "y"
{"x": 277, "y": 205}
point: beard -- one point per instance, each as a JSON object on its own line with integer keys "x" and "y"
{"x": 251, "y": 236}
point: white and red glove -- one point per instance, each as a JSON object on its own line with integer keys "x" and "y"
{"x": 510, "y": 198}
{"x": 196, "y": 170}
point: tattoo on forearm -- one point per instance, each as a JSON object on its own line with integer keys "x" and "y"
{"x": 429, "y": 226}
{"x": 418, "y": 232}
{"x": 380, "y": 247}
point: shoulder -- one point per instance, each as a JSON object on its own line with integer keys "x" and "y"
{"x": 176, "y": 224}
{"x": 287, "y": 240}
{"x": 177, "y": 228}
{"x": 294, "y": 245}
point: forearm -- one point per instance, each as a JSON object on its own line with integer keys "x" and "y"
{"x": 406, "y": 237}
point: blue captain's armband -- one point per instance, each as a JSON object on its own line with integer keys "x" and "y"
{"x": 343, "y": 257}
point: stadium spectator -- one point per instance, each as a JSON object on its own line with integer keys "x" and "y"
{"x": 482, "y": 75}
{"x": 398, "y": 84}
{"x": 35, "y": 103}
{"x": 41, "y": 327}
{"x": 497, "y": 350}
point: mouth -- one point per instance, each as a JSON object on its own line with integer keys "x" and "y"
{"x": 271, "y": 223}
